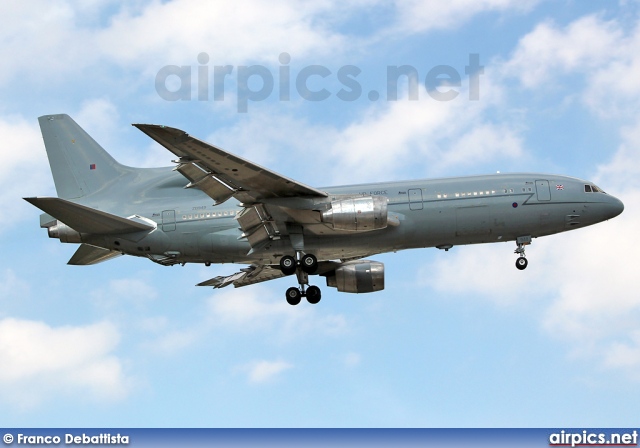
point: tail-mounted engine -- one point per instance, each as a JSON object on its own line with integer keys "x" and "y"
{"x": 358, "y": 276}
{"x": 358, "y": 214}
{"x": 63, "y": 232}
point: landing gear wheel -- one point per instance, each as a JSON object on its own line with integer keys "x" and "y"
{"x": 293, "y": 296}
{"x": 309, "y": 264}
{"x": 313, "y": 294}
{"x": 521, "y": 263}
{"x": 288, "y": 266}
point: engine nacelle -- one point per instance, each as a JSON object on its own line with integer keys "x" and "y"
{"x": 359, "y": 214}
{"x": 64, "y": 233}
{"x": 358, "y": 277}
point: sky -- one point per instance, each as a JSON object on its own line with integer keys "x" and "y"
{"x": 456, "y": 339}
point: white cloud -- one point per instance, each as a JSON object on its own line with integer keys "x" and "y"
{"x": 260, "y": 372}
{"x": 625, "y": 355}
{"x": 425, "y": 136}
{"x": 613, "y": 92}
{"x": 419, "y": 16}
{"x": 40, "y": 361}
{"x": 430, "y": 136}
{"x": 69, "y": 37}
{"x": 136, "y": 289}
{"x": 161, "y": 32}
{"x": 622, "y": 173}
{"x": 45, "y": 36}
{"x": 549, "y": 51}
{"x": 174, "y": 341}
{"x": 125, "y": 293}
{"x": 278, "y": 135}
{"x": 11, "y": 286}
{"x": 255, "y": 311}
{"x": 99, "y": 117}
{"x": 24, "y": 171}
{"x": 258, "y": 309}
{"x": 133, "y": 288}
{"x": 603, "y": 52}
{"x": 352, "y": 360}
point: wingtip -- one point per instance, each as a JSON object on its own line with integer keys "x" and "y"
{"x": 34, "y": 200}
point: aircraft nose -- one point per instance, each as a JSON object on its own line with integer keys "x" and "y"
{"x": 615, "y": 207}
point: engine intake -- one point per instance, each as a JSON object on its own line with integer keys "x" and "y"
{"x": 359, "y": 214}
{"x": 359, "y": 276}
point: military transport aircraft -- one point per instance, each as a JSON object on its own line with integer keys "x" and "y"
{"x": 215, "y": 207}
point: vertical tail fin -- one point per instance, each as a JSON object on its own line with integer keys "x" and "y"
{"x": 79, "y": 165}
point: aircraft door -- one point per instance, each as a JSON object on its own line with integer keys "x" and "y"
{"x": 542, "y": 190}
{"x": 168, "y": 220}
{"x": 415, "y": 199}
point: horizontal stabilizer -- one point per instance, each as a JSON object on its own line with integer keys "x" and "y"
{"x": 85, "y": 219}
{"x": 87, "y": 254}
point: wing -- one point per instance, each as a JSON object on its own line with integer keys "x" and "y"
{"x": 247, "y": 276}
{"x": 222, "y": 175}
{"x": 257, "y": 273}
{"x": 278, "y": 211}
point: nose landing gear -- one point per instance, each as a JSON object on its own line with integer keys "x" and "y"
{"x": 522, "y": 262}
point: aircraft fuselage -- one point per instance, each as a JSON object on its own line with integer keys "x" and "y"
{"x": 430, "y": 213}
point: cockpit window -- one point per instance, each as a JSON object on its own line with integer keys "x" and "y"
{"x": 587, "y": 188}
{"x": 596, "y": 189}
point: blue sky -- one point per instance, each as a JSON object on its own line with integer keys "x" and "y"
{"x": 456, "y": 339}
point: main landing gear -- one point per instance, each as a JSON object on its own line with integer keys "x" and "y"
{"x": 521, "y": 262}
{"x": 304, "y": 266}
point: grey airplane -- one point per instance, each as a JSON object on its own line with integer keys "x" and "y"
{"x": 215, "y": 207}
